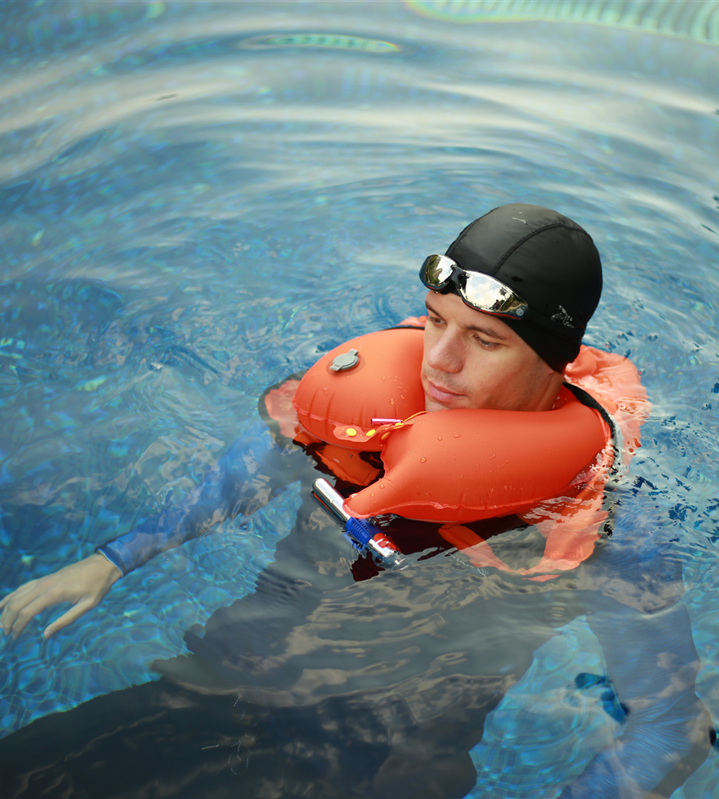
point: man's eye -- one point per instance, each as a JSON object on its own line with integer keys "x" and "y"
{"x": 488, "y": 345}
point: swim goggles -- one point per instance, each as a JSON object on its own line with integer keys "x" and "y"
{"x": 479, "y": 291}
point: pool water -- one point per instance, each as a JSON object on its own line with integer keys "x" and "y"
{"x": 199, "y": 199}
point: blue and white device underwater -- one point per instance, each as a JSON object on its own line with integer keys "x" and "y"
{"x": 362, "y": 534}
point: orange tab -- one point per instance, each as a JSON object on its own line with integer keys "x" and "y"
{"x": 278, "y": 402}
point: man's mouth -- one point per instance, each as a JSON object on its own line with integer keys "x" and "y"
{"x": 440, "y": 394}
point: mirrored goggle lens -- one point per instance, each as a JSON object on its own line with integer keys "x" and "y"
{"x": 481, "y": 291}
{"x": 487, "y": 294}
{"x": 436, "y": 271}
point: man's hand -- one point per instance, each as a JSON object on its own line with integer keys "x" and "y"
{"x": 84, "y": 584}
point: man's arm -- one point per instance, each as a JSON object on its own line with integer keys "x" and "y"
{"x": 653, "y": 664}
{"x": 645, "y": 633}
{"x": 246, "y": 477}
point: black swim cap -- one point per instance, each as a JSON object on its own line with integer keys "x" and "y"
{"x": 550, "y": 261}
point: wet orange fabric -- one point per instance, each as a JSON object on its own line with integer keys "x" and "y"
{"x": 342, "y": 462}
{"x": 464, "y": 465}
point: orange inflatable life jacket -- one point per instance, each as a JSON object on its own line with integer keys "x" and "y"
{"x": 457, "y": 466}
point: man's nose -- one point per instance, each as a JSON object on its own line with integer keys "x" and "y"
{"x": 445, "y": 354}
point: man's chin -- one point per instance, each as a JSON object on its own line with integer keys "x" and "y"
{"x": 431, "y": 404}
{"x": 436, "y": 399}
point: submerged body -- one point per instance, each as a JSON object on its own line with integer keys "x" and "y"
{"x": 324, "y": 683}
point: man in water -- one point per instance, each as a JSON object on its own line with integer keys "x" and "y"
{"x": 320, "y": 685}
{"x": 472, "y": 359}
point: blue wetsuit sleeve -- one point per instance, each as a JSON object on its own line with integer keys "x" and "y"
{"x": 652, "y": 662}
{"x": 245, "y": 478}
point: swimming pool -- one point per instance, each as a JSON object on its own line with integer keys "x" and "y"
{"x": 198, "y": 200}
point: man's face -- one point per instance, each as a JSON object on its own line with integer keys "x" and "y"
{"x": 474, "y": 360}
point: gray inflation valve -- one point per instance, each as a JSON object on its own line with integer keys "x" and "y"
{"x": 347, "y": 360}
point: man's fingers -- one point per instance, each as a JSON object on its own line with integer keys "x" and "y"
{"x": 67, "y": 618}
{"x": 18, "y": 593}
{"x": 26, "y": 602}
{"x": 12, "y": 606}
{"x": 22, "y": 616}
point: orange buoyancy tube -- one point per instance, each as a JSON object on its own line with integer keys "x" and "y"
{"x": 452, "y": 466}
{"x": 465, "y": 465}
{"x": 457, "y": 466}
